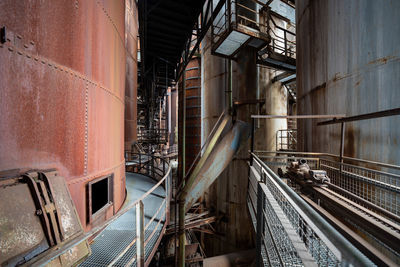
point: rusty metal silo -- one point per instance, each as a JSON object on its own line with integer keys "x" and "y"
{"x": 131, "y": 44}
{"x": 193, "y": 110}
{"x": 62, "y": 95}
{"x": 349, "y": 63}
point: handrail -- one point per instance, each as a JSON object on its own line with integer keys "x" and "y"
{"x": 348, "y": 252}
{"x": 59, "y": 251}
{"x": 381, "y": 164}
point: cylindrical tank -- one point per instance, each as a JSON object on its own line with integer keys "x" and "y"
{"x": 131, "y": 44}
{"x": 275, "y": 104}
{"x": 62, "y": 87}
{"x": 227, "y": 196}
{"x": 348, "y": 62}
{"x": 193, "y": 110}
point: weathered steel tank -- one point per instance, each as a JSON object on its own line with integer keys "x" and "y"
{"x": 131, "y": 44}
{"x": 193, "y": 110}
{"x": 62, "y": 93}
{"x": 349, "y": 63}
{"x": 227, "y": 195}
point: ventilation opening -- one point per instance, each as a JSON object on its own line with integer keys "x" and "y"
{"x": 100, "y": 195}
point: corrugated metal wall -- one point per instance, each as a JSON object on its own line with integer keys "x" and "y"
{"x": 349, "y": 62}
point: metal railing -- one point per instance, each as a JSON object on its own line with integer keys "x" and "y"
{"x": 286, "y": 139}
{"x": 146, "y": 240}
{"x": 235, "y": 13}
{"x": 148, "y": 164}
{"x": 378, "y": 183}
{"x": 153, "y": 136}
{"x": 289, "y": 231}
{"x": 143, "y": 239}
{"x": 283, "y": 41}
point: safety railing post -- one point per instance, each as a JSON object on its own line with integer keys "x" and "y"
{"x": 140, "y": 162}
{"x": 260, "y": 223}
{"x": 163, "y": 167}
{"x": 284, "y": 33}
{"x": 140, "y": 234}
{"x": 341, "y": 153}
{"x": 148, "y": 162}
{"x": 153, "y": 160}
{"x": 252, "y": 141}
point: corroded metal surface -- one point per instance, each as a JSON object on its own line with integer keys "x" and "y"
{"x": 193, "y": 110}
{"x": 349, "y": 62}
{"x": 62, "y": 91}
{"x": 228, "y": 194}
{"x": 37, "y": 215}
{"x": 131, "y": 44}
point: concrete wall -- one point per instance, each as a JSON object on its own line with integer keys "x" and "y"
{"x": 348, "y": 62}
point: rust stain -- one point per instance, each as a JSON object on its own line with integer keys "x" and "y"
{"x": 62, "y": 91}
{"x": 318, "y": 88}
{"x": 193, "y": 115}
{"x": 381, "y": 61}
{"x": 349, "y": 146}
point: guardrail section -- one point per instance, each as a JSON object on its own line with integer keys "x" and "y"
{"x": 132, "y": 236}
{"x": 289, "y": 231}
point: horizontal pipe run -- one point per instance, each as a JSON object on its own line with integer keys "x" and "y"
{"x": 373, "y": 115}
{"x": 297, "y": 116}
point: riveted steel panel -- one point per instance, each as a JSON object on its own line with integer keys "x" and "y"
{"x": 62, "y": 91}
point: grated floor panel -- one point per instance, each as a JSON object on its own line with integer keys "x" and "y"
{"x": 119, "y": 234}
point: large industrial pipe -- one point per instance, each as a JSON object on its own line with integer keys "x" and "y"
{"x": 217, "y": 161}
{"x": 210, "y": 166}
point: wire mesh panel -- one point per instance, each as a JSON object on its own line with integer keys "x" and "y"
{"x": 289, "y": 236}
{"x": 379, "y": 188}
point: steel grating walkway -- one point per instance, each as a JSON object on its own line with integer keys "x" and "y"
{"x": 118, "y": 235}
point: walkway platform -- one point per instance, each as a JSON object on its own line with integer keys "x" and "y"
{"x": 111, "y": 246}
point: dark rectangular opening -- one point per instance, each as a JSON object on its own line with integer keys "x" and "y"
{"x": 100, "y": 195}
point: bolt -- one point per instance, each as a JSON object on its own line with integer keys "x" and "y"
{"x": 39, "y": 212}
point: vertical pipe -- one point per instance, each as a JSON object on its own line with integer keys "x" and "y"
{"x": 169, "y": 113}
{"x": 252, "y": 140}
{"x": 184, "y": 125}
{"x": 229, "y": 91}
{"x": 176, "y": 222}
{"x": 341, "y": 145}
{"x": 182, "y": 233}
{"x": 140, "y": 234}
